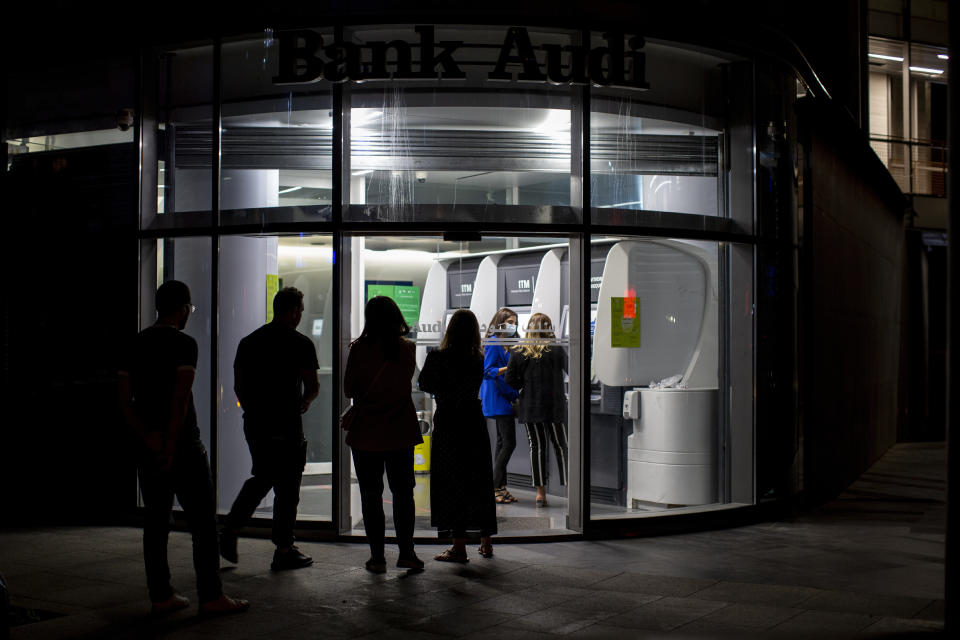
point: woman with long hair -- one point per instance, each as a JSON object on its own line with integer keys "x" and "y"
{"x": 461, "y": 505}
{"x": 385, "y": 428}
{"x": 496, "y": 397}
{"x": 536, "y": 368}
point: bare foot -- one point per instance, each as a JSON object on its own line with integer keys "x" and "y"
{"x": 171, "y": 604}
{"x": 223, "y": 606}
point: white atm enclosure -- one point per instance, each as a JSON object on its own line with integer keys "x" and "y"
{"x": 673, "y": 450}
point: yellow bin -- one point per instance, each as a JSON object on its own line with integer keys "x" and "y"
{"x": 421, "y": 456}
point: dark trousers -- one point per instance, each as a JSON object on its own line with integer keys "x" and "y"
{"x": 278, "y": 465}
{"x": 506, "y": 443}
{"x": 399, "y": 466}
{"x": 538, "y": 433}
{"x": 190, "y": 481}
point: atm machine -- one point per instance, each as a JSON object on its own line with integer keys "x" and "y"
{"x": 608, "y": 428}
{"x": 449, "y": 286}
{"x": 672, "y": 449}
{"x": 531, "y": 282}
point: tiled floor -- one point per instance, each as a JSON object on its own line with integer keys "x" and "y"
{"x": 869, "y": 563}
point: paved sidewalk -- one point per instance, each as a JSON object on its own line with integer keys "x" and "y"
{"x": 869, "y": 563}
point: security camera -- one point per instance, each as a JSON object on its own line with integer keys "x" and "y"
{"x": 421, "y": 176}
{"x": 124, "y": 119}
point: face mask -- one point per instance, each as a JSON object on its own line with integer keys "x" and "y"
{"x": 509, "y": 329}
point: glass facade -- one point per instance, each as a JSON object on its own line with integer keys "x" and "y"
{"x": 513, "y": 173}
{"x": 908, "y": 119}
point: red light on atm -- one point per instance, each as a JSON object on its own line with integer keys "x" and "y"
{"x": 630, "y": 303}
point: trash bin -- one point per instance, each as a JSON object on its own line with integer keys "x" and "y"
{"x": 421, "y": 452}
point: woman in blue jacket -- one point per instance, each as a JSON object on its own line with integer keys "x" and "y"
{"x": 496, "y": 397}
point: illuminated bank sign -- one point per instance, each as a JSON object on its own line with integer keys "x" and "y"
{"x": 305, "y": 58}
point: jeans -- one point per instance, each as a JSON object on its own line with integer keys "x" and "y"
{"x": 506, "y": 443}
{"x": 190, "y": 481}
{"x": 278, "y": 465}
{"x": 399, "y": 466}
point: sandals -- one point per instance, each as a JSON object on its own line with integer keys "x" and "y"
{"x": 502, "y": 496}
{"x": 541, "y": 502}
{"x": 450, "y": 555}
{"x": 486, "y": 550}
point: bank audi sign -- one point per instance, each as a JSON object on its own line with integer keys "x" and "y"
{"x": 304, "y": 57}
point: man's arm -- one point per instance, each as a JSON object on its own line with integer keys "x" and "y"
{"x": 178, "y": 410}
{"x": 130, "y": 417}
{"x": 311, "y": 388}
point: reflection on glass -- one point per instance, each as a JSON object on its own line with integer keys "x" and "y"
{"x": 645, "y": 163}
{"x": 457, "y": 152}
{"x": 252, "y": 270}
{"x": 277, "y": 140}
{"x": 185, "y": 78}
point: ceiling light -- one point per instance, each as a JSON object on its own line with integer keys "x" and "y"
{"x": 880, "y": 56}
{"x": 290, "y": 190}
{"x": 943, "y": 56}
{"x": 361, "y": 172}
{"x": 935, "y": 72}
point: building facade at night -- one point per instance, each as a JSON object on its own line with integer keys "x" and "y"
{"x": 697, "y": 210}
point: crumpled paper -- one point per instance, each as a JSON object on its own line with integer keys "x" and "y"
{"x": 673, "y": 382}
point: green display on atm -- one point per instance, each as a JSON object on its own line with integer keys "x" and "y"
{"x": 406, "y": 296}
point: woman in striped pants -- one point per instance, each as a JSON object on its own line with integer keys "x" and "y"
{"x": 536, "y": 370}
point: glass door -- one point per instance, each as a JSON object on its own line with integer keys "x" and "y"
{"x": 518, "y": 290}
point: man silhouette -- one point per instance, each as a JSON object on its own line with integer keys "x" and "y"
{"x": 156, "y": 398}
{"x": 275, "y": 379}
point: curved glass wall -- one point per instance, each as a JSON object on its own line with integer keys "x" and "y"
{"x": 629, "y": 224}
{"x": 277, "y": 141}
{"x": 182, "y": 88}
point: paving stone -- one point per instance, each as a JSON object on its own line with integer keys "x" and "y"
{"x": 507, "y": 632}
{"x": 555, "y": 576}
{"x": 561, "y": 619}
{"x": 604, "y": 631}
{"x": 825, "y": 623}
{"x": 653, "y": 584}
{"x": 56, "y": 628}
{"x": 769, "y": 594}
{"x": 461, "y": 622}
{"x": 603, "y": 600}
{"x": 876, "y": 604}
{"x": 755, "y": 616}
{"x": 98, "y": 596}
{"x": 523, "y": 602}
{"x": 903, "y": 626}
{"x": 933, "y": 611}
{"x": 664, "y": 614}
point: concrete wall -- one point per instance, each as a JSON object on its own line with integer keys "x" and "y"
{"x": 851, "y": 278}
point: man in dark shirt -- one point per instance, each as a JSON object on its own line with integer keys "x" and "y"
{"x": 275, "y": 378}
{"x": 156, "y": 397}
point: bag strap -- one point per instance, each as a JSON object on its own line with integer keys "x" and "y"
{"x": 374, "y": 381}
